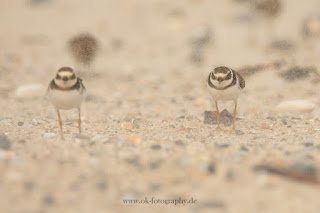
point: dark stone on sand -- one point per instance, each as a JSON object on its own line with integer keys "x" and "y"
{"x": 221, "y": 145}
{"x": 156, "y": 147}
{"x": 48, "y": 199}
{"x": 210, "y": 117}
{"x": 5, "y": 143}
{"x": 179, "y": 143}
{"x": 244, "y": 148}
{"x": 212, "y": 168}
{"x": 101, "y": 186}
{"x": 239, "y": 132}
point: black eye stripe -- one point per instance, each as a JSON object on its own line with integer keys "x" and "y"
{"x": 213, "y": 76}
{"x": 70, "y": 77}
{"x": 228, "y": 76}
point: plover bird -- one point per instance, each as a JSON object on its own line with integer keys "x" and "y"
{"x": 66, "y": 91}
{"x": 84, "y": 48}
{"x": 225, "y": 84}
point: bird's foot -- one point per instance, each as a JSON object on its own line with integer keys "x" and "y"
{"x": 219, "y": 129}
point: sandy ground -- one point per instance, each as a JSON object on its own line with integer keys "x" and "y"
{"x": 143, "y": 75}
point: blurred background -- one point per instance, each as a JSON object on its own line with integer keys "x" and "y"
{"x": 145, "y": 128}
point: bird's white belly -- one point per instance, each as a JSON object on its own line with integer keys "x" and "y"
{"x": 66, "y": 99}
{"x": 231, "y": 93}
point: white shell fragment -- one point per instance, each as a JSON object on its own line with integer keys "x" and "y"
{"x": 30, "y": 91}
{"x": 296, "y": 106}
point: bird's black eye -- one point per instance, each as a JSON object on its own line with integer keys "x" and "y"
{"x": 213, "y": 76}
{"x": 73, "y": 76}
{"x": 58, "y": 77}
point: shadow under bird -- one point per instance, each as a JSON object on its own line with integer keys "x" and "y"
{"x": 66, "y": 91}
{"x": 84, "y": 48}
{"x": 225, "y": 84}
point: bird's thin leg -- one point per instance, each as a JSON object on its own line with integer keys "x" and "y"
{"x": 60, "y": 124}
{"x": 79, "y": 120}
{"x": 234, "y": 117}
{"x": 218, "y": 116}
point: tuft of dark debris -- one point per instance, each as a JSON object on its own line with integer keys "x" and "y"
{"x": 84, "y": 48}
{"x": 299, "y": 73}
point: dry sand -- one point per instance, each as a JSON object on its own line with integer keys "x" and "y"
{"x": 143, "y": 75}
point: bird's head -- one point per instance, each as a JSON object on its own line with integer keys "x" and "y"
{"x": 221, "y": 76}
{"x": 65, "y": 78}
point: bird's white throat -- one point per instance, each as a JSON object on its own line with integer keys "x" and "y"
{"x": 221, "y": 84}
{"x": 68, "y": 84}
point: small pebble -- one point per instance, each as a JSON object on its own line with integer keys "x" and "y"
{"x": 179, "y": 143}
{"x": 239, "y": 132}
{"x": 79, "y": 138}
{"x": 212, "y": 168}
{"x": 155, "y": 164}
{"x": 156, "y": 147}
{"x": 223, "y": 145}
{"x": 21, "y": 141}
{"x": 272, "y": 118}
{"x": 102, "y": 186}
{"x": 265, "y": 126}
{"x": 243, "y": 148}
{"x": 48, "y": 199}
{"x": 126, "y": 126}
{"x": 38, "y": 121}
{"x": 229, "y": 175}
{"x": 308, "y": 144}
{"x": 20, "y": 123}
{"x": 135, "y": 138}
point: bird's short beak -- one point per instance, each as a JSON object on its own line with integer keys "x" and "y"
{"x": 220, "y": 80}
{"x": 65, "y": 80}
